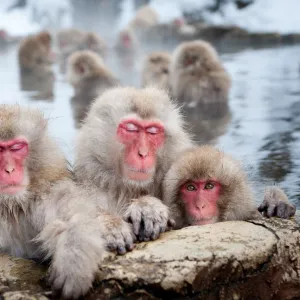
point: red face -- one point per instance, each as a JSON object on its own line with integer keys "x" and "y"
{"x": 142, "y": 139}
{"x": 12, "y": 156}
{"x": 200, "y": 199}
{"x": 126, "y": 40}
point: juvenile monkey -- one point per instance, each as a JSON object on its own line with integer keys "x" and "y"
{"x": 197, "y": 75}
{"x": 205, "y": 186}
{"x": 89, "y": 77}
{"x": 43, "y": 214}
{"x": 125, "y": 146}
{"x": 156, "y": 70}
{"x": 73, "y": 40}
{"x": 127, "y": 42}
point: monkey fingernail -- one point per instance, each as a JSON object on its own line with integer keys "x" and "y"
{"x": 121, "y": 250}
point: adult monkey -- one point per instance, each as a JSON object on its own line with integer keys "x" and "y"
{"x": 42, "y": 211}
{"x": 125, "y": 147}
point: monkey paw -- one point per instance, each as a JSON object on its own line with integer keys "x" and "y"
{"x": 149, "y": 217}
{"x": 276, "y": 204}
{"x": 117, "y": 233}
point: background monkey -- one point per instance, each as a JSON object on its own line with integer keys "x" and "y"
{"x": 156, "y": 70}
{"x": 125, "y": 146}
{"x": 43, "y": 214}
{"x": 35, "y": 60}
{"x": 205, "y": 185}
{"x": 197, "y": 75}
{"x": 89, "y": 77}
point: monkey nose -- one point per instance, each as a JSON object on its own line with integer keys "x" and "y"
{"x": 9, "y": 169}
{"x": 143, "y": 152}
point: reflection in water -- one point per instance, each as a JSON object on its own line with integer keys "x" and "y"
{"x": 261, "y": 126}
{"x": 208, "y": 121}
{"x": 42, "y": 83}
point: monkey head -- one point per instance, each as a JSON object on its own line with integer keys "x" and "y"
{"x": 95, "y": 43}
{"x": 82, "y": 65}
{"x": 129, "y": 134}
{"x": 195, "y": 56}
{"x": 207, "y": 186}
{"x": 159, "y": 62}
{"x": 20, "y": 131}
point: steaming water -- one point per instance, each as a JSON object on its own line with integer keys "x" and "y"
{"x": 262, "y": 128}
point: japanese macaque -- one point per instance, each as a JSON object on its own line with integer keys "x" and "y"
{"x": 205, "y": 186}
{"x": 89, "y": 77}
{"x": 197, "y": 75}
{"x": 125, "y": 146}
{"x": 43, "y": 213}
{"x": 35, "y": 60}
{"x": 127, "y": 42}
{"x": 156, "y": 70}
{"x": 35, "y": 53}
{"x": 72, "y": 40}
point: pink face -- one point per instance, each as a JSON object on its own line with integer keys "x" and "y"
{"x": 126, "y": 40}
{"x": 200, "y": 198}
{"x": 142, "y": 139}
{"x": 12, "y": 155}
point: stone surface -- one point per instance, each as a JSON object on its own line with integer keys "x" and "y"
{"x": 230, "y": 260}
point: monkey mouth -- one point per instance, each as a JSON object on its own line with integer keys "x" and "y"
{"x": 139, "y": 174}
{"x": 11, "y": 189}
{"x": 205, "y": 221}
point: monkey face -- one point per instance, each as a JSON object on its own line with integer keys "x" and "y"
{"x": 200, "y": 200}
{"x": 141, "y": 140}
{"x": 13, "y": 178}
{"x": 191, "y": 59}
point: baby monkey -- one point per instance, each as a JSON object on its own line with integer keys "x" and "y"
{"x": 206, "y": 186}
{"x": 156, "y": 70}
{"x": 197, "y": 74}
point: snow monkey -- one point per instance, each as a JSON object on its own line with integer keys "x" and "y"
{"x": 72, "y": 40}
{"x": 156, "y": 70}
{"x": 89, "y": 77}
{"x": 125, "y": 147}
{"x": 205, "y": 186}
{"x": 197, "y": 75}
{"x": 43, "y": 213}
{"x": 35, "y": 53}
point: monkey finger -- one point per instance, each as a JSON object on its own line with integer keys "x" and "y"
{"x": 148, "y": 228}
{"x": 121, "y": 250}
{"x": 292, "y": 210}
{"x": 130, "y": 247}
{"x": 271, "y": 211}
{"x": 156, "y": 231}
{"x": 263, "y": 207}
{"x": 171, "y": 223}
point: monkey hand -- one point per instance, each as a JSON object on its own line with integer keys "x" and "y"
{"x": 117, "y": 233}
{"x": 149, "y": 217}
{"x": 76, "y": 253}
{"x": 276, "y": 204}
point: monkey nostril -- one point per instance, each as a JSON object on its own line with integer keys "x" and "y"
{"x": 9, "y": 170}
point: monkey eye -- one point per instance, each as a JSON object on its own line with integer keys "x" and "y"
{"x": 17, "y": 147}
{"x": 131, "y": 127}
{"x": 191, "y": 187}
{"x": 152, "y": 130}
{"x": 209, "y": 186}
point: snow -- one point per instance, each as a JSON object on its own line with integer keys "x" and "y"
{"x": 21, "y": 21}
{"x": 261, "y": 16}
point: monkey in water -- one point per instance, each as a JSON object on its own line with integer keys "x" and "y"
{"x": 205, "y": 186}
{"x": 156, "y": 70}
{"x": 125, "y": 146}
{"x": 90, "y": 77}
{"x": 43, "y": 213}
{"x": 35, "y": 61}
{"x": 72, "y": 40}
{"x": 197, "y": 75}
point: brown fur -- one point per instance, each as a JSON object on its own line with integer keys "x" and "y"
{"x": 203, "y": 81}
{"x": 50, "y": 218}
{"x": 99, "y": 156}
{"x": 95, "y": 79}
{"x": 236, "y": 200}
{"x": 156, "y": 70}
{"x": 34, "y": 53}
